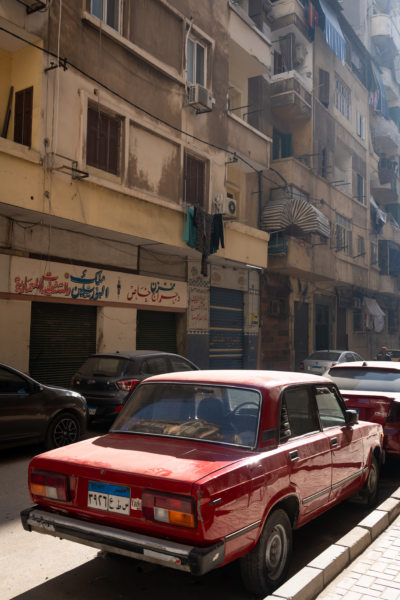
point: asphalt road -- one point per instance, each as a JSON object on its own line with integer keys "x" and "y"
{"x": 37, "y": 567}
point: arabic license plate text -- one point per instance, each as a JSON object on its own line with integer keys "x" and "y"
{"x": 112, "y": 498}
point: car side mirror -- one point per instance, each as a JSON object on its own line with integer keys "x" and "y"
{"x": 351, "y": 417}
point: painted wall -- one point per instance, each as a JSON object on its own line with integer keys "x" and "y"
{"x": 116, "y": 329}
{"x": 15, "y": 323}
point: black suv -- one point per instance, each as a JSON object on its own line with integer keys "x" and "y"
{"x": 107, "y": 379}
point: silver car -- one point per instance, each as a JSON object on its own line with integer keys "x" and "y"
{"x": 320, "y": 361}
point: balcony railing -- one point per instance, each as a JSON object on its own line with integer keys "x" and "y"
{"x": 290, "y": 98}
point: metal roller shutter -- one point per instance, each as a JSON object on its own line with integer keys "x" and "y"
{"x": 62, "y": 337}
{"x": 226, "y": 329}
{"x": 156, "y": 331}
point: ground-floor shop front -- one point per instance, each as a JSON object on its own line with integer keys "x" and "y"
{"x": 54, "y": 315}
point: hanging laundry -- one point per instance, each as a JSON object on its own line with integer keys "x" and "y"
{"x": 203, "y": 223}
{"x": 217, "y": 233}
{"x": 190, "y": 233}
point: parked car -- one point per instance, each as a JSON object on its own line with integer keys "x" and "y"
{"x": 394, "y": 354}
{"x": 372, "y": 388}
{"x": 106, "y": 379}
{"x": 205, "y": 467}
{"x": 320, "y": 361}
{"x": 31, "y": 412}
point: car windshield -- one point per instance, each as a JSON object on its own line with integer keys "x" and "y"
{"x": 200, "y": 412}
{"x": 325, "y": 355}
{"x": 373, "y": 380}
{"x": 107, "y": 366}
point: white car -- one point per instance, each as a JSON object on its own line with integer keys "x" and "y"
{"x": 320, "y": 361}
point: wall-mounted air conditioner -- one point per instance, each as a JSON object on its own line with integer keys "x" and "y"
{"x": 226, "y": 206}
{"x": 200, "y": 98}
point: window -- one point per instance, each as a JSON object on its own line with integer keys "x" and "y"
{"x": 108, "y": 11}
{"x": 374, "y": 253}
{"x": 344, "y": 242}
{"x": 342, "y": 97}
{"x": 360, "y": 246}
{"x": 323, "y": 88}
{"x": 330, "y": 411}
{"x": 281, "y": 145}
{"x": 194, "y": 180}
{"x": 358, "y": 320}
{"x": 11, "y": 383}
{"x": 301, "y": 411}
{"x": 196, "y": 62}
{"x": 360, "y": 195}
{"x": 23, "y": 117}
{"x": 103, "y": 141}
{"x": 360, "y": 125}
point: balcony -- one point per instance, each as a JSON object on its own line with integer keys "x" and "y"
{"x": 290, "y": 100}
{"x": 248, "y": 47}
{"x": 245, "y": 140}
{"x": 391, "y": 87}
{"x": 289, "y": 12}
{"x": 385, "y": 136}
{"x": 385, "y": 32}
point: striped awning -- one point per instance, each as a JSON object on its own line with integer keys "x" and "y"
{"x": 285, "y": 213}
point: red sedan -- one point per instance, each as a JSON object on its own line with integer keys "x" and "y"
{"x": 202, "y": 468}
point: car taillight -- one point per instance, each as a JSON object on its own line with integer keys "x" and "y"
{"x": 176, "y": 510}
{"x": 126, "y": 385}
{"x": 73, "y": 381}
{"x": 394, "y": 413}
{"x": 301, "y": 366}
{"x": 333, "y": 364}
{"x": 50, "y": 485}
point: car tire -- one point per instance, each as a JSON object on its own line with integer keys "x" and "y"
{"x": 64, "y": 429}
{"x": 371, "y": 486}
{"x": 265, "y": 567}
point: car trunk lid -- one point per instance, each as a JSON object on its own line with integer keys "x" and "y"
{"x": 371, "y": 406}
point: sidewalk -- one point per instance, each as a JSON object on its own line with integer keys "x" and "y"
{"x": 364, "y": 564}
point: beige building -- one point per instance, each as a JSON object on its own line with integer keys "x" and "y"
{"x": 117, "y": 118}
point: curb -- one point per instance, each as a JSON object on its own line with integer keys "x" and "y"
{"x": 313, "y": 578}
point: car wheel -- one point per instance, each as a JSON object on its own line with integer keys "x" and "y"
{"x": 370, "y": 489}
{"x": 64, "y": 429}
{"x": 265, "y": 567}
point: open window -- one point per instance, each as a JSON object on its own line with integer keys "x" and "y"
{"x": 108, "y": 11}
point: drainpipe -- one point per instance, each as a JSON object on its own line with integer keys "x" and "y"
{"x": 259, "y": 175}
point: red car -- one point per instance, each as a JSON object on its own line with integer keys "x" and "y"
{"x": 372, "y": 388}
{"x": 202, "y": 468}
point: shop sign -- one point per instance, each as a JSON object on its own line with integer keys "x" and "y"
{"x": 55, "y": 280}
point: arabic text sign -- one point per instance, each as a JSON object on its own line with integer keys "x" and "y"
{"x": 42, "y": 278}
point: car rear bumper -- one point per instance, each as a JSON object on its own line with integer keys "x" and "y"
{"x": 194, "y": 560}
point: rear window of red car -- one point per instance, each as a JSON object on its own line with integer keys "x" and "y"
{"x": 198, "y": 411}
{"x": 366, "y": 379}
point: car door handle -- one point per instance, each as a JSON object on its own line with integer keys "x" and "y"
{"x": 334, "y": 441}
{"x": 294, "y": 455}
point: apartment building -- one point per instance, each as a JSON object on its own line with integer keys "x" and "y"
{"x": 118, "y": 119}
{"x": 332, "y": 278}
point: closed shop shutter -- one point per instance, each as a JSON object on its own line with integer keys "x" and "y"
{"x": 226, "y": 329}
{"x": 156, "y": 331}
{"x": 62, "y": 337}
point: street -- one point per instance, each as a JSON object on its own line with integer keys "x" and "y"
{"x": 37, "y": 567}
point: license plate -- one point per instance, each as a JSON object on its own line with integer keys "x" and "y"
{"x": 108, "y": 497}
{"x": 92, "y": 411}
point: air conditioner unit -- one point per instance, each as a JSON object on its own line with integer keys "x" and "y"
{"x": 226, "y": 206}
{"x": 300, "y": 53}
{"x": 200, "y": 98}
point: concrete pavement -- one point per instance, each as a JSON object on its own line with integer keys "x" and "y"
{"x": 364, "y": 564}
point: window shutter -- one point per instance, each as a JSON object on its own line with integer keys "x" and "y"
{"x": 194, "y": 173}
{"x": 23, "y": 116}
{"x": 286, "y": 145}
{"x": 324, "y": 87}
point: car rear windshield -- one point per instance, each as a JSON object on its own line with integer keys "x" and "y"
{"x": 373, "y": 380}
{"x": 325, "y": 355}
{"x": 200, "y": 412}
{"x": 107, "y": 366}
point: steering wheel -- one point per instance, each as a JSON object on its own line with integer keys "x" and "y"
{"x": 247, "y": 403}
